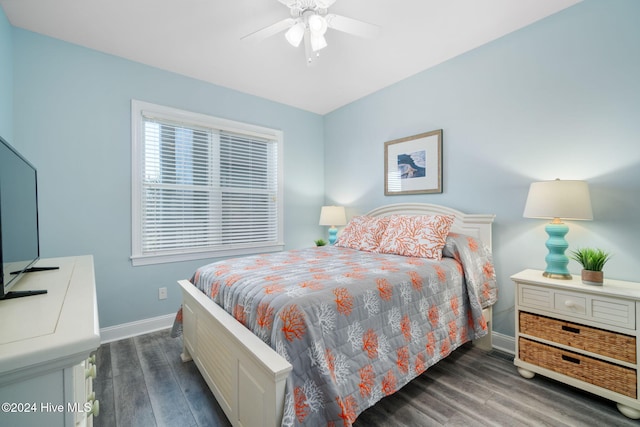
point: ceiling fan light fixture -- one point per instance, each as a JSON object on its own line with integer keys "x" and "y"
{"x": 295, "y": 34}
{"x": 308, "y": 23}
{"x": 318, "y": 42}
{"x": 317, "y": 25}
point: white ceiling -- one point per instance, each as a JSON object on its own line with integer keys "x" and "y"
{"x": 202, "y": 39}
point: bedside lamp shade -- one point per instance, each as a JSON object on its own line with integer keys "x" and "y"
{"x": 558, "y": 200}
{"x": 332, "y": 216}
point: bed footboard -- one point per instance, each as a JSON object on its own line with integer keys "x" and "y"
{"x": 246, "y": 376}
{"x": 485, "y": 343}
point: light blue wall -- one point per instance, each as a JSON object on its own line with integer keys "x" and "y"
{"x": 560, "y": 98}
{"x": 72, "y": 120}
{"x": 557, "y": 99}
{"x": 6, "y": 78}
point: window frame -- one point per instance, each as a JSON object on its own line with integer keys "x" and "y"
{"x": 138, "y": 258}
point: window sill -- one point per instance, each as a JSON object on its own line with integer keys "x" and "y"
{"x": 140, "y": 260}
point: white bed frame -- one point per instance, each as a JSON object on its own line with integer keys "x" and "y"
{"x": 246, "y": 376}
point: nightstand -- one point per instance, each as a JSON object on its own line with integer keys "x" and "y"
{"x": 585, "y": 336}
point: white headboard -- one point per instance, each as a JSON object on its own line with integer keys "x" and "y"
{"x": 475, "y": 225}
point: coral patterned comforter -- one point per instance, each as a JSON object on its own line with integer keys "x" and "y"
{"x": 356, "y": 326}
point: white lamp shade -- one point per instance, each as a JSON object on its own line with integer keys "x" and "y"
{"x": 333, "y": 215}
{"x": 295, "y": 34}
{"x": 317, "y": 25}
{"x": 559, "y": 199}
{"x": 318, "y": 42}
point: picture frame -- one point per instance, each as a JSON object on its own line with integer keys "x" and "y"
{"x": 413, "y": 165}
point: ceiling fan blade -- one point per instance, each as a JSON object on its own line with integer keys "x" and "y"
{"x": 270, "y": 30}
{"x": 289, "y": 3}
{"x": 352, "y": 26}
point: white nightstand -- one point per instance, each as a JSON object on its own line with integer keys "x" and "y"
{"x": 582, "y": 335}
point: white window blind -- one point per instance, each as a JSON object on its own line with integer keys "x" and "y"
{"x": 203, "y": 186}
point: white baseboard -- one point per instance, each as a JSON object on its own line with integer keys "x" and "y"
{"x": 132, "y": 329}
{"x": 504, "y": 343}
{"x": 500, "y": 341}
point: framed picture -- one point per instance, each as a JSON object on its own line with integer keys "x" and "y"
{"x": 413, "y": 165}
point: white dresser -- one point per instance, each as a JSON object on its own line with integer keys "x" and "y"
{"x": 582, "y": 335}
{"x": 46, "y": 341}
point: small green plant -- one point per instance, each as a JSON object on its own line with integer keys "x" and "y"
{"x": 591, "y": 259}
{"x": 320, "y": 242}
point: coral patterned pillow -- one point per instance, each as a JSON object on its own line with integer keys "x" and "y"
{"x": 421, "y": 236}
{"x": 363, "y": 233}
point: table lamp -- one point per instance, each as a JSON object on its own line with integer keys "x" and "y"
{"x": 332, "y": 216}
{"x": 558, "y": 200}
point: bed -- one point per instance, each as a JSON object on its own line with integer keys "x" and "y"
{"x": 343, "y": 364}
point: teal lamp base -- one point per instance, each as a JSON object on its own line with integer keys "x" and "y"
{"x": 333, "y": 235}
{"x": 557, "y": 261}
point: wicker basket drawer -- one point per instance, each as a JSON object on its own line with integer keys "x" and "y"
{"x": 606, "y": 343}
{"x": 593, "y": 371}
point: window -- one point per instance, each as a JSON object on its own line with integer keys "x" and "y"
{"x": 202, "y": 187}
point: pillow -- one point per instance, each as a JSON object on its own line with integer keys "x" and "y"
{"x": 421, "y": 236}
{"x": 363, "y": 233}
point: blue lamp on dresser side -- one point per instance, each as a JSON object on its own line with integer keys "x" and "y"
{"x": 332, "y": 216}
{"x": 558, "y": 200}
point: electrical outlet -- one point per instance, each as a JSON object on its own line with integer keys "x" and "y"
{"x": 162, "y": 293}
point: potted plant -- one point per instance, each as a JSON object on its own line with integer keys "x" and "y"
{"x": 592, "y": 261}
{"x": 320, "y": 242}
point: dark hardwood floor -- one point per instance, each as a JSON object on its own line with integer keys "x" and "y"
{"x": 142, "y": 382}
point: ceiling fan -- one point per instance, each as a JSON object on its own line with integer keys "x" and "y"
{"x": 309, "y": 22}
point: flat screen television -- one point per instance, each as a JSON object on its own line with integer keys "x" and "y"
{"x": 19, "y": 236}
